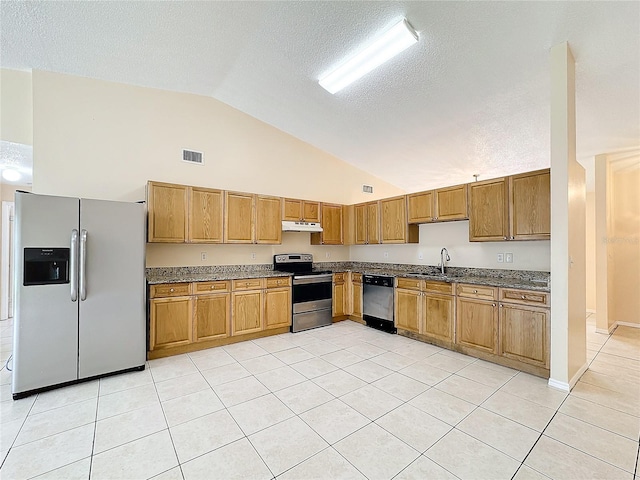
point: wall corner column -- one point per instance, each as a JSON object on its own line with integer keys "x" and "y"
{"x": 568, "y": 242}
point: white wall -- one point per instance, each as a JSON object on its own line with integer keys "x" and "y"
{"x": 16, "y": 107}
{"x": 527, "y": 255}
{"x": 590, "y": 246}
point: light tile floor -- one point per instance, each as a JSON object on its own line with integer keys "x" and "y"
{"x": 343, "y": 401}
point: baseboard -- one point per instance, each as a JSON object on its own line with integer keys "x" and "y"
{"x": 627, "y": 324}
{"x": 566, "y": 387}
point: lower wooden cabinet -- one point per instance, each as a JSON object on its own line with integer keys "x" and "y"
{"x": 408, "y": 306}
{"x": 524, "y": 334}
{"x": 277, "y": 307}
{"x": 171, "y": 322}
{"x": 439, "y": 316}
{"x": 356, "y": 291}
{"x": 247, "y": 312}
{"x": 339, "y": 295}
{"x": 212, "y": 316}
{"x": 477, "y": 324}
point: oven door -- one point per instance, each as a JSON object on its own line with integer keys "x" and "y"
{"x": 311, "y": 288}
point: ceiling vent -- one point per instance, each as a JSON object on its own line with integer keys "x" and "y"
{"x": 192, "y": 156}
{"x": 367, "y": 188}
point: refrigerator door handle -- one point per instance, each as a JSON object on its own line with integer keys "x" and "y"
{"x": 73, "y": 265}
{"x": 83, "y": 265}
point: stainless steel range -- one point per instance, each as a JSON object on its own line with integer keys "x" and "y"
{"x": 312, "y": 291}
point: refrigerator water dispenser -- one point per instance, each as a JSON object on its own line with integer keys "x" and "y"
{"x": 46, "y": 266}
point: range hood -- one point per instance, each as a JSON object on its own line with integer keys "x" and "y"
{"x": 301, "y": 227}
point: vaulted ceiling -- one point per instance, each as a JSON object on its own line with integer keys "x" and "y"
{"x": 471, "y": 97}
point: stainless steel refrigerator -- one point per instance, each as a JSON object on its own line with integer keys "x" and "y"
{"x": 80, "y": 309}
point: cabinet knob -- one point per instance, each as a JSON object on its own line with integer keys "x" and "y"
{"x": 493, "y": 305}
{"x": 512, "y": 237}
{"x": 523, "y": 297}
{"x": 171, "y": 289}
{"x": 505, "y": 238}
{"x": 475, "y": 291}
{"x": 212, "y": 287}
{"x": 501, "y": 305}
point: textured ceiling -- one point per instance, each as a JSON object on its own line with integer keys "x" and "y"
{"x": 471, "y": 97}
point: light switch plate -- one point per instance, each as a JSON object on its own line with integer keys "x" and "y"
{"x": 500, "y": 257}
{"x": 203, "y": 256}
{"x": 508, "y": 257}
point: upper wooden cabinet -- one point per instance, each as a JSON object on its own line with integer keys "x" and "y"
{"x": 530, "y": 206}
{"x": 442, "y": 205}
{"x": 367, "y": 223}
{"x": 268, "y": 219}
{"x": 511, "y": 208}
{"x": 300, "y": 210}
{"x": 331, "y": 221}
{"x": 168, "y": 212}
{"x": 252, "y": 218}
{"x": 488, "y": 210}
{"x": 206, "y": 215}
{"x": 393, "y": 221}
{"x": 238, "y": 217}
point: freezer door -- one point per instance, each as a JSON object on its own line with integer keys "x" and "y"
{"x": 111, "y": 287}
{"x": 45, "y": 348}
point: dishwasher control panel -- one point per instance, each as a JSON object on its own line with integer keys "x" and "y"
{"x": 381, "y": 280}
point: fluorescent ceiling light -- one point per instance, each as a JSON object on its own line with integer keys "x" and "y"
{"x": 395, "y": 40}
{"x": 11, "y": 175}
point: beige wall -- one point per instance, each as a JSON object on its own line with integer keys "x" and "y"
{"x": 590, "y": 247}
{"x": 105, "y": 140}
{"x": 625, "y": 244}
{"x": 568, "y": 255}
{"x": 16, "y": 107}
{"x": 530, "y": 255}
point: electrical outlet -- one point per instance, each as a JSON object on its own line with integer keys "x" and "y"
{"x": 420, "y": 256}
{"x": 327, "y": 255}
{"x": 508, "y": 257}
{"x": 203, "y": 256}
{"x": 500, "y": 257}
{"x": 253, "y": 255}
{"x": 386, "y": 255}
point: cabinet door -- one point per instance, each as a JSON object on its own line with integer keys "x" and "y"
{"x": 246, "y": 314}
{"x": 268, "y": 219}
{"x": 488, "y": 209}
{"x": 277, "y": 308}
{"x": 524, "y": 334}
{"x": 373, "y": 222}
{"x": 331, "y": 224}
{"x": 408, "y": 308}
{"x": 311, "y": 211}
{"x": 292, "y": 210}
{"x": 338, "y": 300}
{"x": 530, "y": 205}
{"x": 361, "y": 224}
{"x": 212, "y": 316}
{"x": 206, "y": 217}
{"x": 438, "y": 317}
{"x": 357, "y": 299}
{"x": 393, "y": 220}
{"x": 420, "y": 207}
{"x": 238, "y": 218}
{"x": 451, "y": 203}
{"x": 477, "y": 324}
{"x": 171, "y": 322}
{"x": 167, "y": 205}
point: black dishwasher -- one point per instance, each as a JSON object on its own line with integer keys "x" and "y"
{"x": 377, "y": 302}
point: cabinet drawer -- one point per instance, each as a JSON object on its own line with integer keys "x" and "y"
{"x": 248, "y": 284}
{"x": 208, "y": 287}
{"x": 338, "y": 277}
{"x": 170, "y": 290}
{"x": 477, "y": 291}
{"x": 524, "y": 296}
{"x": 439, "y": 287}
{"x": 356, "y": 277}
{"x": 410, "y": 283}
{"x": 278, "y": 282}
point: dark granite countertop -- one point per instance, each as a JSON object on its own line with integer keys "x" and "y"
{"x": 526, "y": 280}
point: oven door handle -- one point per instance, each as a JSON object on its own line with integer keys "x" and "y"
{"x": 305, "y": 279}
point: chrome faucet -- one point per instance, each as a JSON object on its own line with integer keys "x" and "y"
{"x": 443, "y": 259}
